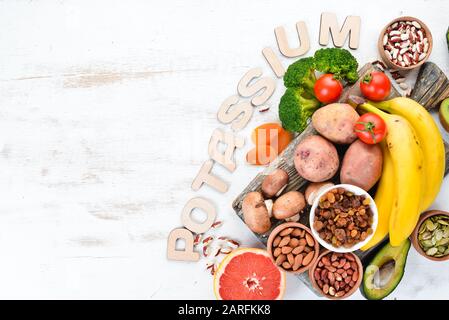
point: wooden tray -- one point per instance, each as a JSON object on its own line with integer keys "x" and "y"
{"x": 296, "y": 182}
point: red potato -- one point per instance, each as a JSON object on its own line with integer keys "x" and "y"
{"x": 288, "y": 205}
{"x": 336, "y": 122}
{"x": 255, "y": 213}
{"x": 316, "y": 159}
{"x": 362, "y": 165}
{"x": 274, "y": 183}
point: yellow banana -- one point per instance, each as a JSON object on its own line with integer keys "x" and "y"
{"x": 385, "y": 196}
{"x": 431, "y": 143}
{"x": 407, "y": 159}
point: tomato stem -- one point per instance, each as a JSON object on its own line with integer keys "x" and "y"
{"x": 368, "y": 127}
{"x": 367, "y": 78}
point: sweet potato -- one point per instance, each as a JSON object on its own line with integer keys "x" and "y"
{"x": 336, "y": 122}
{"x": 362, "y": 165}
{"x": 255, "y": 213}
{"x": 316, "y": 159}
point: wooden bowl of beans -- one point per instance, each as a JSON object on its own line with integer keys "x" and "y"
{"x": 405, "y": 43}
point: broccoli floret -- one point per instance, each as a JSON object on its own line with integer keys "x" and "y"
{"x": 299, "y": 102}
{"x": 295, "y": 109}
{"x": 338, "y": 61}
{"x": 301, "y": 74}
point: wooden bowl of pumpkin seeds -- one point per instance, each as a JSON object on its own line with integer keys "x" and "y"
{"x": 431, "y": 235}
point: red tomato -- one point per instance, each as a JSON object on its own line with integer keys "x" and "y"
{"x": 375, "y": 86}
{"x": 370, "y": 128}
{"x": 327, "y": 89}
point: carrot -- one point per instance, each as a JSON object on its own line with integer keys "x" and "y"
{"x": 270, "y": 140}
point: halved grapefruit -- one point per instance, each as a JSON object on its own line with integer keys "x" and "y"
{"x": 249, "y": 274}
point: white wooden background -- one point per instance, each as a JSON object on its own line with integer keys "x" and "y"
{"x": 106, "y": 109}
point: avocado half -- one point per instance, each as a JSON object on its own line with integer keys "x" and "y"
{"x": 447, "y": 38}
{"x": 385, "y": 271}
{"x": 444, "y": 114}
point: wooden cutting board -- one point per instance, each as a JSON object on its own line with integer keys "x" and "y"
{"x": 431, "y": 87}
{"x": 296, "y": 182}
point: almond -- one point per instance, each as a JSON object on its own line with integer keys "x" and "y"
{"x": 286, "y": 232}
{"x": 277, "y": 252}
{"x": 298, "y": 262}
{"x": 280, "y": 259}
{"x": 291, "y": 258}
{"x": 308, "y": 258}
{"x": 310, "y": 241}
{"x": 294, "y": 242}
{"x": 286, "y": 249}
{"x": 298, "y": 250}
{"x": 284, "y": 241}
{"x": 276, "y": 241}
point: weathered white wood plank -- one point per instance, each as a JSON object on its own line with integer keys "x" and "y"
{"x": 106, "y": 108}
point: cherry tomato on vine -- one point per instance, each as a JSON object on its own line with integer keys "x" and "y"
{"x": 370, "y": 128}
{"x": 375, "y": 86}
{"x": 327, "y": 89}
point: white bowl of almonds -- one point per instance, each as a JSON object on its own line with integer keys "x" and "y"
{"x": 405, "y": 43}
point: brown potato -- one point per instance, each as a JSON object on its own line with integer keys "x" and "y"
{"x": 316, "y": 159}
{"x": 255, "y": 213}
{"x": 314, "y": 189}
{"x": 288, "y": 205}
{"x": 274, "y": 183}
{"x": 362, "y": 165}
{"x": 336, "y": 122}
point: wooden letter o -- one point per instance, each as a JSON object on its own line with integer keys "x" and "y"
{"x": 193, "y": 225}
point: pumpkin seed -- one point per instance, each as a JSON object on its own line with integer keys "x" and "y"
{"x": 433, "y": 236}
{"x": 430, "y": 225}
{"x": 422, "y": 228}
{"x": 431, "y": 251}
{"x": 426, "y": 235}
{"x": 427, "y": 243}
{"x": 443, "y": 242}
{"x": 446, "y": 232}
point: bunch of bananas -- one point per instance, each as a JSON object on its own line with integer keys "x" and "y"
{"x": 413, "y": 168}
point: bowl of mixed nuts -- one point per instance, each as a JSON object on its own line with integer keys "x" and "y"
{"x": 405, "y": 43}
{"x": 292, "y": 247}
{"x": 336, "y": 275}
{"x": 343, "y": 218}
{"x": 431, "y": 235}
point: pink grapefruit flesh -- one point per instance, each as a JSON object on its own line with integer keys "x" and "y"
{"x": 249, "y": 274}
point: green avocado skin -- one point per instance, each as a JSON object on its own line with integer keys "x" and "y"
{"x": 444, "y": 114}
{"x": 447, "y": 38}
{"x": 387, "y": 253}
